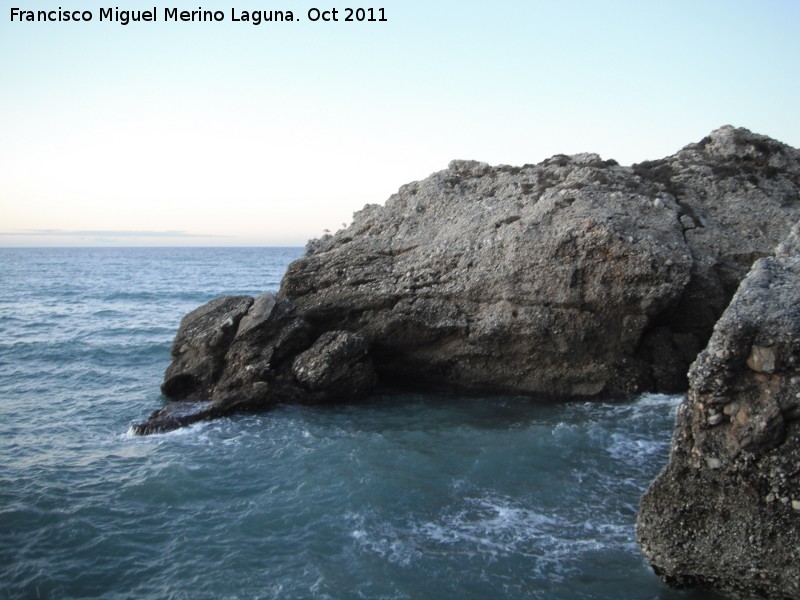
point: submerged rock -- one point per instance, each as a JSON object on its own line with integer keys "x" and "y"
{"x": 722, "y": 515}
{"x": 573, "y": 277}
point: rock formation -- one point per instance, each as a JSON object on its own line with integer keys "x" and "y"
{"x": 725, "y": 512}
{"x": 573, "y": 277}
{"x": 239, "y": 354}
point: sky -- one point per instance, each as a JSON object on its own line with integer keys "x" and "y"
{"x": 233, "y": 134}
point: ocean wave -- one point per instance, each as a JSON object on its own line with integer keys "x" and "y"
{"x": 400, "y": 496}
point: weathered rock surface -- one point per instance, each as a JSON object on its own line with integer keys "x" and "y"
{"x": 573, "y": 277}
{"x": 725, "y": 512}
{"x": 203, "y": 338}
{"x": 336, "y": 363}
{"x": 239, "y": 354}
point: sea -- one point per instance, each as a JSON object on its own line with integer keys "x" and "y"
{"x": 400, "y": 496}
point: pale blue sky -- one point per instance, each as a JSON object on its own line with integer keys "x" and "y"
{"x": 234, "y": 134}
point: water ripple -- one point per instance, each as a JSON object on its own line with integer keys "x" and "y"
{"x": 405, "y": 496}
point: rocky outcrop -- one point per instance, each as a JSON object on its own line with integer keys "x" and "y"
{"x": 573, "y": 277}
{"x": 576, "y": 276}
{"x": 725, "y": 512}
{"x": 239, "y": 354}
{"x": 200, "y": 346}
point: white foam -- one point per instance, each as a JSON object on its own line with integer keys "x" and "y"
{"x": 652, "y": 399}
{"x": 196, "y": 431}
{"x": 626, "y": 448}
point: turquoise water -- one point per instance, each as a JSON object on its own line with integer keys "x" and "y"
{"x": 400, "y": 496}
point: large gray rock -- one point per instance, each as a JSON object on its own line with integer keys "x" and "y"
{"x": 573, "y": 277}
{"x": 725, "y": 512}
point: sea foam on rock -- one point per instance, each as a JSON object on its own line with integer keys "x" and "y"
{"x": 725, "y": 512}
{"x": 573, "y": 277}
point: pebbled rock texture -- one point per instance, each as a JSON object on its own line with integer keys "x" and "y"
{"x": 573, "y": 277}
{"x": 725, "y": 512}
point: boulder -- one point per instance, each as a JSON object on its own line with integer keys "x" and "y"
{"x": 338, "y": 364}
{"x": 239, "y": 354}
{"x": 576, "y": 277}
{"x": 573, "y": 277}
{"x": 199, "y": 348}
{"x": 725, "y": 512}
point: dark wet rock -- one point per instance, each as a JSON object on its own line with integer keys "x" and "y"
{"x": 265, "y": 355}
{"x": 722, "y": 513}
{"x": 337, "y": 363}
{"x": 176, "y": 415}
{"x": 573, "y": 277}
{"x": 203, "y": 338}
